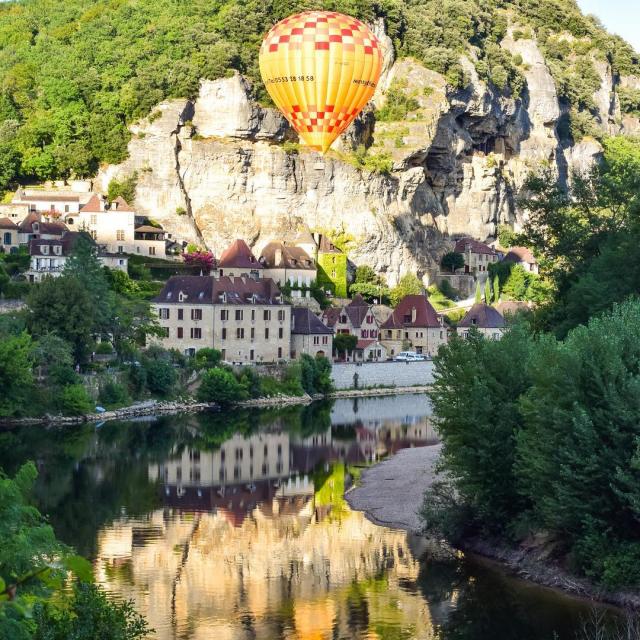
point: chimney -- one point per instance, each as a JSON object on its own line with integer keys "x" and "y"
{"x": 414, "y": 314}
{"x": 278, "y": 257}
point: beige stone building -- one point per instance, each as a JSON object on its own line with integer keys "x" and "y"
{"x": 8, "y": 236}
{"x": 290, "y": 265}
{"x": 246, "y": 319}
{"x": 309, "y": 334}
{"x": 414, "y": 325}
{"x": 484, "y": 319}
{"x": 477, "y": 255}
{"x": 52, "y": 202}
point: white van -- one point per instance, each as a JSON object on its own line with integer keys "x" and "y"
{"x": 409, "y": 356}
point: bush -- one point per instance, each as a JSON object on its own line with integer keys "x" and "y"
{"x": 104, "y": 348}
{"x": 161, "y": 377}
{"x": 452, "y": 261}
{"x": 315, "y": 374}
{"x": 220, "y": 386}
{"x": 113, "y": 394}
{"x": 75, "y": 401}
{"x": 250, "y": 381}
{"x": 207, "y": 358}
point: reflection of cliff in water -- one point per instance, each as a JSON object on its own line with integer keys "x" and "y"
{"x": 298, "y": 565}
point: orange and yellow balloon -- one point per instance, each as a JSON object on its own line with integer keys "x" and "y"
{"x": 320, "y": 68}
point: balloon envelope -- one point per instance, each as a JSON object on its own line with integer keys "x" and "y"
{"x": 320, "y": 68}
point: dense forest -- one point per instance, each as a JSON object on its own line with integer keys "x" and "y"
{"x": 541, "y": 430}
{"x": 73, "y": 75}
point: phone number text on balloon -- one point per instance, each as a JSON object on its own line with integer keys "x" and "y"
{"x": 280, "y": 79}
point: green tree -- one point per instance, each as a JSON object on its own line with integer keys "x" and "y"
{"x": 408, "y": 285}
{"x": 75, "y": 401}
{"x": 478, "y": 297}
{"x": 207, "y": 358}
{"x": 496, "y": 289}
{"x": 16, "y": 361}
{"x": 487, "y": 291}
{"x": 64, "y": 307}
{"x": 344, "y": 343}
{"x": 125, "y": 188}
{"x": 220, "y": 386}
{"x": 452, "y": 261}
{"x": 161, "y": 376}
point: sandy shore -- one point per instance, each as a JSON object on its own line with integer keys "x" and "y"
{"x": 390, "y": 493}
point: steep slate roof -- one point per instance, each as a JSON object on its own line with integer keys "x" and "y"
{"x": 326, "y": 246}
{"x": 208, "y": 290}
{"x": 482, "y": 316}
{"x": 305, "y": 322}
{"x": 67, "y": 243}
{"x": 357, "y": 310}
{"x": 53, "y": 228}
{"x": 6, "y": 223}
{"x": 290, "y": 257}
{"x": 27, "y": 223}
{"x": 520, "y": 254}
{"x": 476, "y": 247}
{"x": 331, "y": 315}
{"x": 238, "y": 255}
{"x": 94, "y": 205}
{"x": 426, "y": 316}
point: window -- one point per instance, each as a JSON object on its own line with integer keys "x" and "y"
{"x": 253, "y": 315}
{"x": 316, "y": 339}
{"x": 45, "y": 249}
{"x": 251, "y": 355}
{"x": 333, "y": 273}
{"x": 281, "y": 314}
{"x": 120, "y": 235}
{"x": 343, "y": 319}
{"x": 120, "y": 249}
{"x": 93, "y": 219}
{"x": 224, "y": 354}
{"x": 280, "y": 333}
{"x": 180, "y": 332}
{"x": 240, "y": 333}
{"x": 369, "y": 319}
{"x": 224, "y": 314}
{"x": 196, "y": 333}
{"x": 325, "y": 340}
{"x": 266, "y": 333}
{"x": 373, "y": 333}
{"x": 239, "y": 314}
{"x": 279, "y": 352}
{"x": 365, "y": 334}
{"x": 180, "y": 314}
{"x": 196, "y": 314}
{"x": 152, "y": 251}
{"x": 7, "y": 238}
{"x": 66, "y": 208}
{"x": 224, "y": 335}
{"x": 163, "y": 314}
{"x": 267, "y": 314}
{"x": 253, "y": 333}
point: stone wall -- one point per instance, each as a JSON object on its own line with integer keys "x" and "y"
{"x": 382, "y": 374}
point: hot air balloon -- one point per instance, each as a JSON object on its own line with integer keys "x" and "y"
{"x": 320, "y": 68}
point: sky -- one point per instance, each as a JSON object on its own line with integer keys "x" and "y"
{"x": 619, "y": 16}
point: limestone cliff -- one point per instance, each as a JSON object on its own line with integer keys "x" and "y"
{"x": 221, "y": 166}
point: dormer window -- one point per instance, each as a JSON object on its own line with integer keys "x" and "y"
{"x": 36, "y": 227}
{"x": 474, "y": 321}
{"x": 181, "y": 297}
{"x": 169, "y": 295}
{"x": 57, "y": 249}
{"x": 201, "y": 295}
{"x": 44, "y": 249}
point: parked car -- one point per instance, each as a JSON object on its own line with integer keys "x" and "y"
{"x": 410, "y": 356}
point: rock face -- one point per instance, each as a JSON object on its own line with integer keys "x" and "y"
{"x": 221, "y": 166}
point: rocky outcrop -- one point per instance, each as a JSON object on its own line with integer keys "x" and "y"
{"x": 222, "y": 166}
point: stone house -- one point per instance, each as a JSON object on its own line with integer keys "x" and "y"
{"x": 290, "y": 265}
{"x": 483, "y": 318}
{"x": 54, "y": 203}
{"x": 524, "y": 257}
{"x": 357, "y": 319}
{"x": 477, "y": 255}
{"x": 414, "y": 325}
{"x": 35, "y": 226}
{"x": 246, "y": 319}
{"x": 238, "y": 261}
{"x": 8, "y": 236}
{"x": 309, "y": 334}
{"x": 16, "y": 212}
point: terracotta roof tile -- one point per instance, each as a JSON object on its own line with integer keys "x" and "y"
{"x": 475, "y": 245}
{"x": 120, "y": 204}
{"x": 482, "y": 316}
{"x": 27, "y": 223}
{"x": 6, "y": 223}
{"x": 413, "y": 311}
{"x": 94, "y": 205}
{"x": 238, "y": 255}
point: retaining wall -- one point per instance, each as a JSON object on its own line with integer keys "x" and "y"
{"x": 382, "y": 374}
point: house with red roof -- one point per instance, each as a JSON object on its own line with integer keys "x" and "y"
{"x": 485, "y": 320}
{"x": 358, "y": 319}
{"x": 289, "y": 265}
{"x": 414, "y": 325}
{"x": 237, "y": 260}
{"x": 477, "y": 255}
{"x": 524, "y": 257}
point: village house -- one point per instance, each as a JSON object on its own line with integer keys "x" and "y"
{"x": 289, "y": 265}
{"x": 477, "y": 255}
{"x": 246, "y": 319}
{"x": 238, "y": 261}
{"x": 8, "y": 236}
{"x": 35, "y": 226}
{"x": 524, "y": 257}
{"x": 414, "y": 325}
{"x": 49, "y": 256}
{"x": 309, "y": 334}
{"x": 484, "y": 319}
{"x": 54, "y": 203}
{"x": 113, "y": 226}
{"x": 332, "y": 267}
{"x": 357, "y": 319}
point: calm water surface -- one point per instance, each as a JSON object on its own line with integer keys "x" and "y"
{"x": 233, "y": 526}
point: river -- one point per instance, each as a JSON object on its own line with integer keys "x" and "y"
{"x": 233, "y": 526}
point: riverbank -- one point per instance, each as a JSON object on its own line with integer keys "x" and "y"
{"x": 391, "y": 492}
{"x": 157, "y": 407}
